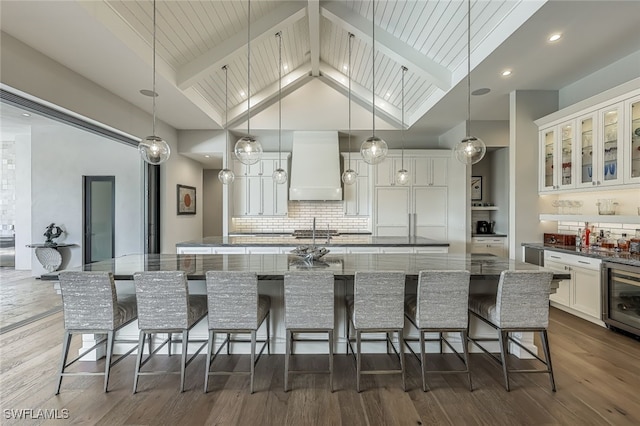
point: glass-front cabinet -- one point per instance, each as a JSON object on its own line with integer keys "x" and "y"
{"x": 610, "y": 149}
{"x": 558, "y": 146}
{"x": 585, "y": 151}
{"x": 632, "y": 146}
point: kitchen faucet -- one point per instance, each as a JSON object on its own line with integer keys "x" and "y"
{"x": 328, "y": 235}
{"x": 313, "y": 233}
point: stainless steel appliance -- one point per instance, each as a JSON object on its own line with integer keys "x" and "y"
{"x": 482, "y": 227}
{"x": 621, "y": 297}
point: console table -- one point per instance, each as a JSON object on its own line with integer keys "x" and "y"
{"x": 49, "y": 256}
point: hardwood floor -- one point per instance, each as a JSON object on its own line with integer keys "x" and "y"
{"x": 597, "y": 374}
{"x": 23, "y": 297}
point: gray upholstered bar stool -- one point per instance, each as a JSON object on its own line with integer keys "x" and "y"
{"x": 165, "y": 306}
{"x": 521, "y": 305}
{"x": 235, "y": 307}
{"x": 90, "y": 305}
{"x": 441, "y": 305}
{"x": 377, "y": 307}
{"x": 308, "y": 308}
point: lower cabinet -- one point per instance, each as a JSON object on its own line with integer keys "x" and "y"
{"x": 582, "y": 294}
{"x": 496, "y": 246}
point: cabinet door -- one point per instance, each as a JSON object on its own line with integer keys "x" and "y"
{"x": 430, "y": 171}
{"x": 430, "y": 212}
{"x": 392, "y": 211}
{"x": 281, "y": 199}
{"x": 268, "y": 196}
{"x": 610, "y": 149}
{"x": 386, "y": 170}
{"x": 632, "y": 141}
{"x": 547, "y": 153}
{"x": 356, "y": 197}
{"x": 565, "y": 156}
{"x": 585, "y": 154}
{"x": 586, "y": 291}
{"x": 562, "y": 294}
{"x": 254, "y": 196}
{"x": 239, "y": 196}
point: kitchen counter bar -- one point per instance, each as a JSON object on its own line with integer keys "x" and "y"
{"x": 274, "y": 266}
{"x": 344, "y": 240}
{"x": 624, "y": 258}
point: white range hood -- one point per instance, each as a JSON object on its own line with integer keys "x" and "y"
{"x": 315, "y": 167}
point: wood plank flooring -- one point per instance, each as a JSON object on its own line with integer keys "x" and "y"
{"x": 597, "y": 374}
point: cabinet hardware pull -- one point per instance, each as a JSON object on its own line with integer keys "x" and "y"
{"x": 582, "y": 261}
{"x": 555, "y": 257}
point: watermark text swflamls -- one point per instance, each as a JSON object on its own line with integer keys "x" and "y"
{"x": 33, "y": 414}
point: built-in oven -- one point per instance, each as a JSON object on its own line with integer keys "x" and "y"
{"x": 621, "y": 297}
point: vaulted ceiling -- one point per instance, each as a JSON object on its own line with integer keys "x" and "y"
{"x": 109, "y": 42}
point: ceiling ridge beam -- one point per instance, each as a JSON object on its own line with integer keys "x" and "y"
{"x": 313, "y": 12}
{"x": 388, "y": 44}
{"x": 269, "y": 95}
{"x": 191, "y": 72}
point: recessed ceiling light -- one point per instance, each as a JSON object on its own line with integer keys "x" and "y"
{"x": 388, "y": 95}
{"x": 149, "y": 93}
{"x": 506, "y": 73}
{"x": 289, "y": 80}
{"x": 26, "y": 114}
{"x": 345, "y": 67}
{"x": 285, "y": 66}
{"x": 481, "y": 91}
{"x": 207, "y": 156}
{"x": 554, "y": 37}
{"x": 342, "y": 80}
{"x": 242, "y": 93}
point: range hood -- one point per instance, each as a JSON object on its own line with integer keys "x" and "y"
{"x": 315, "y": 167}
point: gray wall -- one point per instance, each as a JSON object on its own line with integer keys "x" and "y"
{"x": 211, "y": 204}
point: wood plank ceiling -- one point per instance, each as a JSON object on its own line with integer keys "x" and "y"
{"x": 196, "y": 38}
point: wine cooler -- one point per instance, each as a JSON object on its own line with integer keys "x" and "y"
{"x": 621, "y": 297}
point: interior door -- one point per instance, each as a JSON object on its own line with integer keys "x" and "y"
{"x": 392, "y": 211}
{"x": 99, "y": 199}
{"x": 430, "y": 208}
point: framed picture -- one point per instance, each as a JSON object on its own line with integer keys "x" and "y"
{"x": 186, "y": 199}
{"x": 476, "y": 188}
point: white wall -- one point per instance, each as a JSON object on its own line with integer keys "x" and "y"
{"x": 211, "y": 204}
{"x": 60, "y": 157}
{"x": 30, "y": 71}
{"x": 23, "y": 202}
{"x": 500, "y": 188}
{"x": 524, "y": 203}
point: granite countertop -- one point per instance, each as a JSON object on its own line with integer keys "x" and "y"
{"x": 353, "y": 240}
{"x": 612, "y": 256}
{"x": 498, "y": 235}
{"x": 274, "y": 266}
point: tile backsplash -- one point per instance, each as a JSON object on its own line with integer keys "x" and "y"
{"x": 616, "y": 229}
{"x": 301, "y": 214}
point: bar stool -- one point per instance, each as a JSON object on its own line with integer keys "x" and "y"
{"x": 308, "y": 308}
{"x": 440, "y": 305}
{"x": 91, "y": 305}
{"x": 521, "y": 305}
{"x": 235, "y": 307}
{"x": 377, "y": 306}
{"x": 165, "y": 306}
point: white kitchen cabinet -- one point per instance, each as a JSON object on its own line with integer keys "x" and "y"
{"x": 582, "y": 294}
{"x": 426, "y": 250}
{"x": 419, "y": 208}
{"x": 194, "y": 250}
{"x": 228, "y": 250}
{"x": 593, "y": 148}
{"x": 254, "y": 193}
{"x": 496, "y": 246}
{"x": 357, "y": 197}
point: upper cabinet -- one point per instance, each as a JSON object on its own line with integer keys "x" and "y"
{"x": 357, "y": 197}
{"x": 591, "y": 149}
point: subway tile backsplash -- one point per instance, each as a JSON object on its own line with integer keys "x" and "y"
{"x": 616, "y": 229}
{"x": 301, "y": 213}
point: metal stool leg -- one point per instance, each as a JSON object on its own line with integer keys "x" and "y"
{"x": 358, "y": 360}
{"x": 465, "y": 348}
{"x": 183, "y": 363}
{"x": 331, "y": 360}
{"x": 547, "y": 354}
{"x": 401, "y": 353}
{"x": 209, "y": 351}
{"x": 65, "y": 353}
{"x": 504, "y": 340}
{"x": 138, "y": 360}
{"x": 423, "y": 361}
{"x": 170, "y": 337}
{"x": 107, "y": 362}
{"x": 253, "y": 357}
{"x": 268, "y": 320}
{"x": 286, "y": 360}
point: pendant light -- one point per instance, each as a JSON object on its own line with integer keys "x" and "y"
{"x": 153, "y": 149}
{"x": 248, "y": 150}
{"x": 349, "y": 176}
{"x": 374, "y": 149}
{"x": 226, "y": 175}
{"x": 402, "y": 175}
{"x": 470, "y": 149}
{"x": 279, "y": 174}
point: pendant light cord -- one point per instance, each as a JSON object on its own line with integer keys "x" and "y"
{"x": 153, "y": 126}
{"x": 279, "y": 36}
{"x": 469, "y": 68}
{"x": 226, "y": 114}
{"x": 404, "y": 70}
{"x": 248, "y": 67}
{"x": 351, "y": 36}
{"x": 373, "y": 65}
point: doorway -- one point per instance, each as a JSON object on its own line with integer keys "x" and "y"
{"x": 99, "y": 200}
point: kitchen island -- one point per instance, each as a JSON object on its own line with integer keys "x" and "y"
{"x": 271, "y": 268}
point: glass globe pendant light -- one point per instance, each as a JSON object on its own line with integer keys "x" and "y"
{"x": 248, "y": 150}
{"x": 349, "y": 176}
{"x": 402, "y": 175}
{"x": 279, "y": 174}
{"x": 153, "y": 149}
{"x": 226, "y": 176}
{"x": 374, "y": 149}
{"x": 470, "y": 149}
